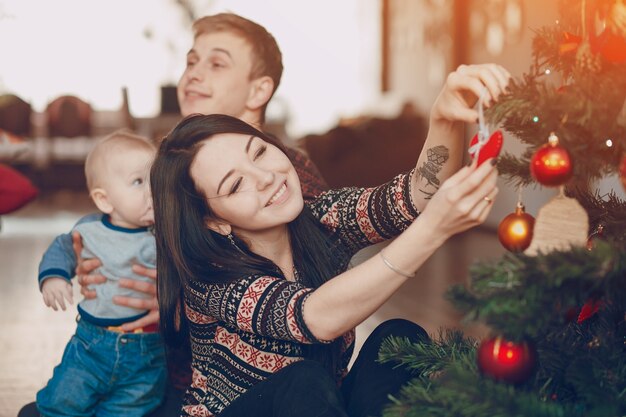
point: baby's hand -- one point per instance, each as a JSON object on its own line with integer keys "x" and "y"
{"x": 57, "y": 290}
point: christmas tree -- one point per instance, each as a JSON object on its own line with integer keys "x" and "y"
{"x": 556, "y": 302}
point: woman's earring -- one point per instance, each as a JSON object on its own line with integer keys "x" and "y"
{"x": 231, "y": 238}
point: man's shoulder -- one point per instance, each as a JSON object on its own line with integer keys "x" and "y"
{"x": 296, "y": 154}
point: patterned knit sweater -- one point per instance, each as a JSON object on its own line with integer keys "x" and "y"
{"x": 243, "y": 331}
{"x": 312, "y": 185}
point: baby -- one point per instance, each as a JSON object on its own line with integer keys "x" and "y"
{"x": 105, "y": 371}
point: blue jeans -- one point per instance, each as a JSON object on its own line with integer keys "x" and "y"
{"x": 105, "y": 373}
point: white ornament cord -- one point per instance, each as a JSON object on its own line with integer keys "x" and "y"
{"x": 483, "y": 129}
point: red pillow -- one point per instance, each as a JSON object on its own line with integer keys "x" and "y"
{"x": 15, "y": 190}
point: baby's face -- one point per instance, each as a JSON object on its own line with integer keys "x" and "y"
{"x": 128, "y": 188}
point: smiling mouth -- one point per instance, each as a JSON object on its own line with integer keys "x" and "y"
{"x": 281, "y": 191}
{"x": 193, "y": 94}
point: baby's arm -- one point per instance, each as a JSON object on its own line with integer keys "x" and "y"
{"x": 59, "y": 259}
{"x": 57, "y": 290}
{"x": 57, "y": 268}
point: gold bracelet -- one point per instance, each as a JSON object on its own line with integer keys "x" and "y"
{"x": 393, "y": 268}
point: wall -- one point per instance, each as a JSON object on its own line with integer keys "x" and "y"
{"x": 420, "y": 50}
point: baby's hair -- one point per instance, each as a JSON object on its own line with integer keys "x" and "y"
{"x": 107, "y": 148}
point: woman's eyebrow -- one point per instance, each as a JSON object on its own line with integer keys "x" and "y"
{"x": 232, "y": 170}
{"x": 224, "y": 179}
{"x": 249, "y": 143}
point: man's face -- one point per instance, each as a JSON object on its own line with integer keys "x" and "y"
{"x": 217, "y": 76}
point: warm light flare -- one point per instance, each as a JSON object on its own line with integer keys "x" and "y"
{"x": 519, "y": 228}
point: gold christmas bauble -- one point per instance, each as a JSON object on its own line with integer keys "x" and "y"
{"x": 516, "y": 230}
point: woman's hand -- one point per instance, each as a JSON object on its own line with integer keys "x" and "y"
{"x": 464, "y": 87}
{"x": 463, "y": 201}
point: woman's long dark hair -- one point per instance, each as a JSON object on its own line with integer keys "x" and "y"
{"x": 188, "y": 250}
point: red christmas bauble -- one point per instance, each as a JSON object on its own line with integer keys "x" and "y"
{"x": 506, "y": 361}
{"x": 622, "y": 172}
{"x": 515, "y": 231}
{"x": 491, "y": 149}
{"x": 551, "y": 165}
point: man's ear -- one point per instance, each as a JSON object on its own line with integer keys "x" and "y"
{"x": 218, "y": 226}
{"x": 99, "y": 197}
{"x": 260, "y": 92}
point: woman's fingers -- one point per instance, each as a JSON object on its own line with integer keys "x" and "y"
{"x": 502, "y": 75}
{"x": 464, "y": 87}
{"x": 483, "y": 207}
{"x": 467, "y": 79}
{"x": 465, "y": 184}
{"x": 494, "y": 77}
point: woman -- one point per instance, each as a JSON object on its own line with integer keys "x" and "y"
{"x": 257, "y": 281}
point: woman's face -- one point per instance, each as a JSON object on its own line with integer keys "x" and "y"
{"x": 250, "y": 184}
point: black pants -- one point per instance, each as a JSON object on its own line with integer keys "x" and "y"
{"x": 306, "y": 389}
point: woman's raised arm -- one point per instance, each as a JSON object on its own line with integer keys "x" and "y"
{"x": 463, "y": 201}
{"x": 442, "y": 154}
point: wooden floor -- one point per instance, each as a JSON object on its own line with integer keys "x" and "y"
{"x": 33, "y": 336}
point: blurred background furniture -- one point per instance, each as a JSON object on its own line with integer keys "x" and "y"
{"x": 368, "y": 151}
{"x": 15, "y": 115}
{"x": 68, "y": 116}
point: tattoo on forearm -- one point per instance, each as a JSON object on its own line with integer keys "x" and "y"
{"x": 435, "y": 158}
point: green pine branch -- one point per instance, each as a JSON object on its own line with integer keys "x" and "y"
{"x": 522, "y": 295}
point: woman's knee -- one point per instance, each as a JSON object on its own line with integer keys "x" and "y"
{"x": 307, "y": 374}
{"x": 400, "y": 328}
{"x": 308, "y": 389}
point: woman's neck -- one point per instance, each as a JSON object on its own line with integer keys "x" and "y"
{"x": 273, "y": 244}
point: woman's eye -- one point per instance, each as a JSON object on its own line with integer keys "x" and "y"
{"x": 235, "y": 186}
{"x": 260, "y": 152}
{"x": 137, "y": 181}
